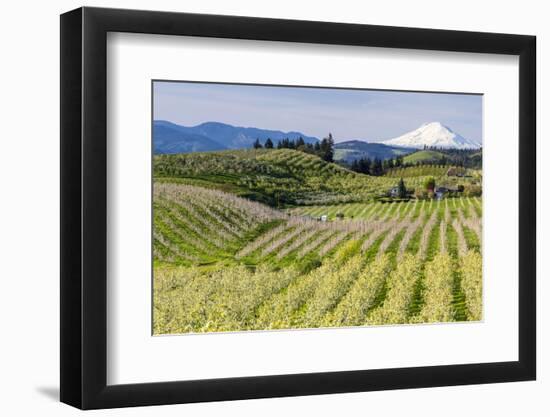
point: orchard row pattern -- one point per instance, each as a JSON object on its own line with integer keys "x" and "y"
{"x": 223, "y": 262}
{"x": 284, "y": 177}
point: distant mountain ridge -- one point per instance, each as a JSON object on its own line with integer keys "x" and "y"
{"x": 434, "y": 135}
{"x": 169, "y": 137}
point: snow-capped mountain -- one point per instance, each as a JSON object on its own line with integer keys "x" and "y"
{"x": 433, "y": 134}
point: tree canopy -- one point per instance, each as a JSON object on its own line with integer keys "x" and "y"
{"x": 401, "y": 189}
{"x": 323, "y": 149}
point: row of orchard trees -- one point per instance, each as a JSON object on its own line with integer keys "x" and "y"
{"x": 425, "y": 266}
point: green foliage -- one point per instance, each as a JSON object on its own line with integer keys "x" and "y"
{"x": 421, "y": 194}
{"x": 423, "y": 156}
{"x": 401, "y": 189}
{"x": 471, "y": 269}
{"x": 362, "y": 165}
{"x": 280, "y": 178}
{"x": 399, "y": 296}
{"x": 468, "y": 158}
{"x": 323, "y": 149}
{"x": 225, "y": 263}
{"x": 327, "y": 148}
{"x": 418, "y": 171}
{"x": 438, "y": 292}
{"x": 257, "y": 144}
{"x": 429, "y": 184}
{"x": 472, "y": 190}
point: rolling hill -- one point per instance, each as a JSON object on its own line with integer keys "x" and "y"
{"x": 458, "y": 157}
{"x": 277, "y": 177}
{"x": 423, "y": 156}
{"x": 356, "y": 149}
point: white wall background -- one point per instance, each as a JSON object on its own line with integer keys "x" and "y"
{"x": 29, "y": 225}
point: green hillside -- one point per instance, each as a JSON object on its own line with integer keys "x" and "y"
{"x": 423, "y": 156}
{"x": 277, "y": 177}
{"x": 418, "y": 171}
{"x": 356, "y": 149}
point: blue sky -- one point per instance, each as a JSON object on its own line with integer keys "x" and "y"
{"x": 348, "y": 114}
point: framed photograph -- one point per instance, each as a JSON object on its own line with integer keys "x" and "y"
{"x": 257, "y": 208}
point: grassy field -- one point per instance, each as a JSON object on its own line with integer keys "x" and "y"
{"x": 422, "y": 156}
{"x": 224, "y": 262}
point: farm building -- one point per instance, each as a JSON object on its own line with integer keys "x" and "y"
{"x": 440, "y": 192}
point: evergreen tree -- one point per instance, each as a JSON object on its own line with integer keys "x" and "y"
{"x": 291, "y": 144}
{"x": 327, "y": 148}
{"x": 366, "y": 166}
{"x": 401, "y": 189}
{"x": 377, "y": 168}
{"x": 268, "y": 144}
{"x": 308, "y": 148}
{"x": 257, "y": 144}
{"x": 330, "y": 150}
{"x": 362, "y": 165}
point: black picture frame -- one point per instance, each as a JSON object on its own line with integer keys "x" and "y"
{"x": 84, "y": 207}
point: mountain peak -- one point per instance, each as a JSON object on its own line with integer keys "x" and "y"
{"x": 433, "y": 134}
{"x": 435, "y": 125}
